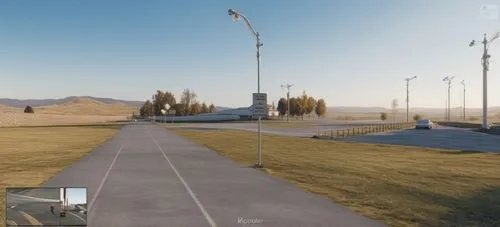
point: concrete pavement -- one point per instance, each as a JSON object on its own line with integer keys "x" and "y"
{"x": 148, "y": 176}
{"x": 307, "y": 131}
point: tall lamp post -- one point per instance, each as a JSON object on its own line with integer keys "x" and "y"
{"x": 287, "y": 86}
{"x": 408, "y": 97}
{"x": 448, "y": 79}
{"x": 236, "y": 16}
{"x": 463, "y": 83}
{"x": 485, "y": 63}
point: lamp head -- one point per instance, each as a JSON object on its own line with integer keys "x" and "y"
{"x": 234, "y": 15}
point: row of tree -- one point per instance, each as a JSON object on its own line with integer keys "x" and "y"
{"x": 302, "y": 105}
{"x": 188, "y": 104}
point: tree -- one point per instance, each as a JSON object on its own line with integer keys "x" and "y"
{"x": 204, "y": 108}
{"x": 282, "y": 106}
{"x": 160, "y": 99}
{"x": 383, "y": 116}
{"x": 293, "y": 107}
{"x": 320, "y": 108}
{"x": 212, "y": 108}
{"x": 311, "y": 104}
{"x": 179, "y": 109}
{"x": 187, "y": 98}
{"x": 146, "y": 109}
{"x": 299, "y": 110}
{"x": 417, "y": 117}
{"x": 394, "y": 106}
{"x": 195, "y": 109}
{"x": 29, "y": 109}
{"x": 303, "y": 104}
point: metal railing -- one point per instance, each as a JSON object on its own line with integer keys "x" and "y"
{"x": 363, "y": 130}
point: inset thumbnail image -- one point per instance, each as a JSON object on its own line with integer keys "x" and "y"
{"x": 46, "y": 206}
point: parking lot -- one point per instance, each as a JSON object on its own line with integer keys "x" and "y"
{"x": 442, "y": 137}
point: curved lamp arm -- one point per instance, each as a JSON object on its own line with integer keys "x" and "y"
{"x": 236, "y": 15}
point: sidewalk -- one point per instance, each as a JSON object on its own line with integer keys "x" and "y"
{"x": 157, "y": 178}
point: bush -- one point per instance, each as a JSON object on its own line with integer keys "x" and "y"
{"x": 383, "y": 116}
{"x": 28, "y": 109}
{"x": 417, "y": 117}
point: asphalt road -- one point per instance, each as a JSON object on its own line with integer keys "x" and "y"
{"x": 307, "y": 131}
{"x": 148, "y": 176}
{"x": 441, "y": 137}
{"x": 32, "y": 207}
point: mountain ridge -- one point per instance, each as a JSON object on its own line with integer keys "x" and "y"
{"x": 21, "y": 103}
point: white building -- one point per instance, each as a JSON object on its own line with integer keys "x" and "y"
{"x": 243, "y": 113}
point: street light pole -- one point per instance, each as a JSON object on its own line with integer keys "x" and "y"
{"x": 485, "y": 64}
{"x": 463, "y": 83}
{"x": 287, "y": 86}
{"x": 448, "y": 79}
{"x": 153, "y": 108}
{"x": 236, "y": 15}
{"x": 408, "y": 97}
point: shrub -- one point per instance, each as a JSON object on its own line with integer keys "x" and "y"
{"x": 29, "y": 109}
{"x": 383, "y": 116}
{"x": 417, "y": 117}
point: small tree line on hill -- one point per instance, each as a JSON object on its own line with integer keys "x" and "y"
{"x": 187, "y": 106}
{"x": 302, "y": 105}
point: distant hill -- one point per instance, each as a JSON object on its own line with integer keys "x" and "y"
{"x": 221, "y": 108}
{"x": 354, "y": 109}
{"x": 48, "y": 102}
{"x": 87, "y": 106}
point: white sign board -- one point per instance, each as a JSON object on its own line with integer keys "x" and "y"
{"x": 260, "y": 104}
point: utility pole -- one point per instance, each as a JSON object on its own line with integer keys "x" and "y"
{"x": 448, "y": 79}
{"x": 485, "y": 63}
{"x": 408, "y": 97}
{"x": 287, "y": 86}
{"x": 463, "y": 83}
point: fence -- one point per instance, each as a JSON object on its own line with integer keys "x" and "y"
{"x": 363, "y": 130}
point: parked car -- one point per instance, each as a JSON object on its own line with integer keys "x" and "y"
{"x": 424, "y": 124}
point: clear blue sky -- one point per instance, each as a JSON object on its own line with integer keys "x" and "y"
{"x": 77, "y": 195}
{"x": 354, "y": 53}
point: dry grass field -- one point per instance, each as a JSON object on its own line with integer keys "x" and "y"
{"x": 401, "y": 186}
{"x": 86, "y": 106}
{"x": 30, "y": 156}
{"x": 78, "y": 111}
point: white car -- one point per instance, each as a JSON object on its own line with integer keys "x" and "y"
{"x": 425, "y": 124}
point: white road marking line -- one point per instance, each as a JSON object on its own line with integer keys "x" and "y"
{"x": 33, "y": 198}
{"x": 84, "y": 221}
{"x": 30, "y": 218}
{"x": 103, "y": 180}
{"x": 191, "y": 193}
